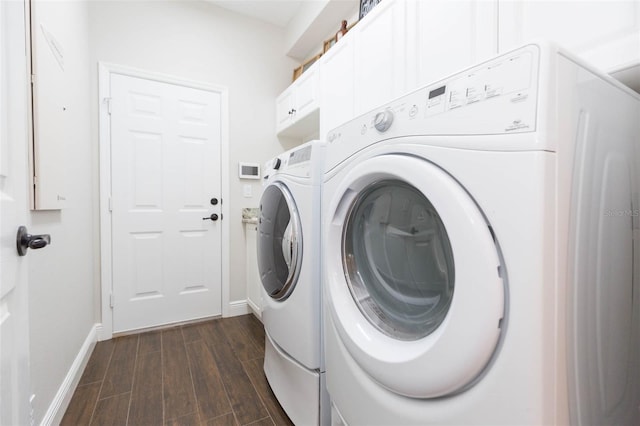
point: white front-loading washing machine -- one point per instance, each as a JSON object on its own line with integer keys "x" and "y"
{"x": 289, "y": 267}
{"x": 481, "y": 260}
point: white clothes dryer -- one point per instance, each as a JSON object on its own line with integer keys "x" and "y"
{"x": 289, "y": 267}
{"x": 481, "y": 262}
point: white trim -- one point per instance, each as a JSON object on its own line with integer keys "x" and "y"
{"x": 255, "y": 308}
{"x": 104, "y": 74}
{"x": 226, "y": 194}
{"x": 235, "y": 308}
{"x": 104, "y": 92}
{"x": 60, "y": 402}
{"x": 100, "y": 333}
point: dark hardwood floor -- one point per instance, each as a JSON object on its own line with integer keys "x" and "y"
{"x": 208, "y": 373}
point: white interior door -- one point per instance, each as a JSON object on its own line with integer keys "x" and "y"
{"x": 14, "y": 320}
{"x": 165, "y": 173}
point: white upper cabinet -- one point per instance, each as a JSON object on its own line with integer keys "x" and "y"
{"x": 297, "y": 113}
{"x": 380, "y": 55}
{"x": 284, "y": 108}
{"x": 448, "y": 36}
{"x": 306, "y": 89}
{"x": 337, "y": 84}
{"x": 604, "y": 32}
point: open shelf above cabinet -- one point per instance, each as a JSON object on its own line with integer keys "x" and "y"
{"x": 303, "y": 127}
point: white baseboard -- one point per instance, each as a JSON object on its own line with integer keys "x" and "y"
{"x": 238, "y": 307}
{"x": 255, "y": 308}
{"x": 101, "y": 333}
{"x": 60, "y": 402}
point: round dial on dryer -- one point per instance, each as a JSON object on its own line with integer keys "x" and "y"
{"x": 383, "y": 120}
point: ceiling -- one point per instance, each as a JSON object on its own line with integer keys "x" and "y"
{"x": 276, "y": 12}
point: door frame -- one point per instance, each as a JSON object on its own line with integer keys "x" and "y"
{"x": 105, "y": 70}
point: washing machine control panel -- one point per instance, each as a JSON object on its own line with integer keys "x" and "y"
{"x": 495, "y": 97}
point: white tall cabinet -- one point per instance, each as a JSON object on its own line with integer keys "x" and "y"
{"x": 380, "y": 55}
{"x": 337, "y": 84}
{"x": 603, "y": 32}
{"x": 448, "y": 36}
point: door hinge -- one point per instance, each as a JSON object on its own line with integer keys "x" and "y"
{"x": 33, "y": 79}
{"x": 111, "y": 300}
{"x": 110, "y": 204}
{"x": 108, "y": 102}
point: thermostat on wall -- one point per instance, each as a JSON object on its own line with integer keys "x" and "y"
{"x": 248, "y": 170}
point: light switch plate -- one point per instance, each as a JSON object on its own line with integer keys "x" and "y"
{"x": 247, "y": 191}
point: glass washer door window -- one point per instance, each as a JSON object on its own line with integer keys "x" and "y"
{"x": 398, "y": 260}
{"x": 388, "y": 264}
{"x": 279, "y": 241}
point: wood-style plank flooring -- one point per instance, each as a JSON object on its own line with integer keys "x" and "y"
{"x": 208, "y": 373}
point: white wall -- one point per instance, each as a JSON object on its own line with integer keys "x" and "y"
{"x": 61, "y": 283}
{"x": 201, "y": 42}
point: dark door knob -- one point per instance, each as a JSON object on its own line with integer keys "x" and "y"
{"x": 214, "y": 217}
{"x": 214, "y": 201}
{"x": 25, "y": 241}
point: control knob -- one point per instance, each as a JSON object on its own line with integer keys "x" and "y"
{"x": 383, "y": 120}
{"x": 276, "y": 164}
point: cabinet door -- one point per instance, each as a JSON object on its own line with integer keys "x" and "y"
{"x": 380, "y": 56}
{"x": 306, "y": 93}
{"x": 284, "y": 105}
{"x": 604, "y": 32}
{"x": 336, "y": 85}
{"x": 450, "y": 36}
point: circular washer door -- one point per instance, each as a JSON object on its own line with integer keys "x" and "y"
{"x": 412, "y": 277}
{"x": 279, "y": 241}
